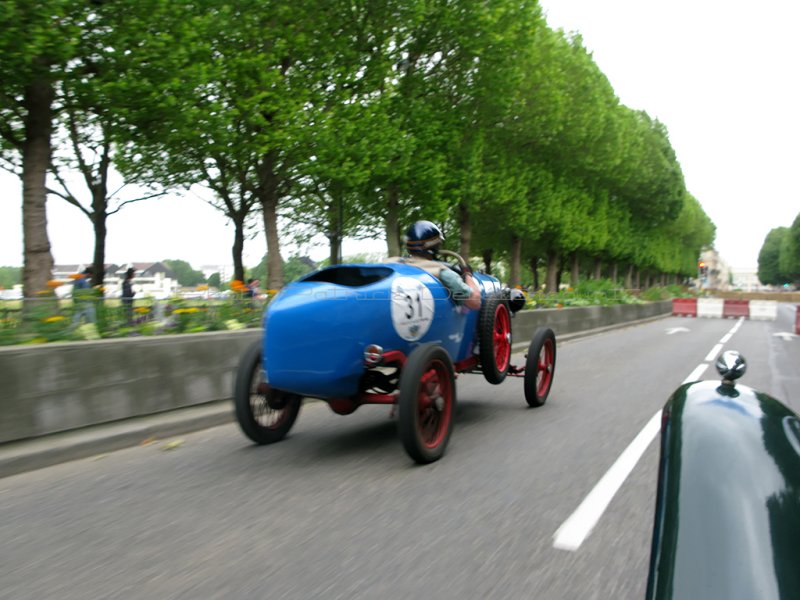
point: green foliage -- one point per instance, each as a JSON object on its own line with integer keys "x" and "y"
{"x": 10, "y": 276}
{"x": 351, "y": 118}
{"x": 214, "y": 280}
{"x": 789, "y": 259}
{"x": 602, "y": 292}
{"x": 184, "y": 273}
{"x": 295, "y": 267}
{"x": 769, "y": 271}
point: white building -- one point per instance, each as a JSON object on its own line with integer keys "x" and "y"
{"x": 225, "y": 272}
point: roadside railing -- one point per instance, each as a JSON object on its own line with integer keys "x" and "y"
{"x": 50, "y": 319}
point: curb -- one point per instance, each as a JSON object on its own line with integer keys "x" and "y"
{"x": 28, "y": 455}
{"x": 566, "y": 337}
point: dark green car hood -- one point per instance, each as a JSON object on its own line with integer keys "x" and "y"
{"x": 727, "y": 521}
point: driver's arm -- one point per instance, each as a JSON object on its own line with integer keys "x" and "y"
{"x": 465, "y": 292}
{"x": 474, "y": 300}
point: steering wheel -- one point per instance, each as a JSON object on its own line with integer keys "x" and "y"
{"x": 463, "y": 267}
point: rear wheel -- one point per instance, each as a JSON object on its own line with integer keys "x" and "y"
{"x": 264, "y": 415}
{"x": 540, "y": 366}
{"x": 426, "y": 403}
{"x": 494, "y": 338}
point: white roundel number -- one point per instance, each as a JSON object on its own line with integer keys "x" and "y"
{"x": 412, "y": 308}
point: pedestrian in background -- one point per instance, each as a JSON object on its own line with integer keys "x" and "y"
{"x": 128, "y": 294}
{"x": 82, "y": 301}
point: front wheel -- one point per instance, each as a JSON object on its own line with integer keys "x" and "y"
{"x": 540, "y": 366}
{"x": 426, "y": 403}
{"x": 265, "y": 418}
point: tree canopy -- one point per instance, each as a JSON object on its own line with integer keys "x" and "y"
{"x": 348, "y": 118}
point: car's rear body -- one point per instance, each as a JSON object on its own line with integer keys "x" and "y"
{"x": 317, "y": 329}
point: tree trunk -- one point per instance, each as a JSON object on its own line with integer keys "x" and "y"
{"x": 238, "y": 248}
{"x": 99, "y": 261}
{"x": 38, "y": 266}
{"x": 614, "y": 272}
{"x": 516, "y": 260}
{"x": 534, "y": 265}
{"x": 551, "y": 280}
{"x": 335, "y": 256}
{"x": 629, "y": 278}
{"x": 638, "y": 279}
{"x": 267, "y": 193}
{"x": 559, "y": 274}
{"x": 335, "y": 230}
{"x": 575, "y": 270}
{"x": 598, "y": 269}
{"x": 487, "y": 261}
{"x": 466, "y": 231}
{"x": 392, "y": 223}
{"x": 269, "y": 206}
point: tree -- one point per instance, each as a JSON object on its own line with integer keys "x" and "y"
{"x": 10, "y": 276}
{"x": 88, "y": 133}
{"x": 184, "y": 273}
{"x": 38, "y": 43}
{"x": 214, "y": 280}
{"x": 789, "y": 259}
{"x": 295, "y": 267}
{"x": 769, "y": 271}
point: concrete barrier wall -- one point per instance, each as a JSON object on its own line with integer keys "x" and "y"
{"x": 59, "y": 387}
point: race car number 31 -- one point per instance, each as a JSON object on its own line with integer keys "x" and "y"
{"x": 412, "y": 308}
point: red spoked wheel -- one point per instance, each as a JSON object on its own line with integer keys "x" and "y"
{"x": 426, "y": 403}
{"x": 494, "y": 335}
{"x": 540, "y": 366}
{"x": 265, "y": 416}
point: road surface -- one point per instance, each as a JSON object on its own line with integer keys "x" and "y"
{"x": 337, "y": 510}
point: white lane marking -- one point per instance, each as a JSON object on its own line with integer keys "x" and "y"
{"x": 676, "y": 330}
{"x": 696, "y": 374}
{"x": 735, "y": 328}
{"x": 786, "y": 335}
{"x": 714, "y": 351}
{"x": 579, "y": 525}
{"x": 725, "y": 338}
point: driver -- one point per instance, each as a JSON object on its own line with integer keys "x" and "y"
{"x": 423, "y": 240}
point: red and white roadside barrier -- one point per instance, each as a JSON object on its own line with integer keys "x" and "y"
{"x": 710, "y": 308}
{"x": 717, "y": 308}
{"x": 684, "y": 307}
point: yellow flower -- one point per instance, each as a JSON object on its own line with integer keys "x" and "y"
{"x": 271, "y": 293}
{"x": 202, "y": 288}
{"x": 142, "y": 310}
{"x": 55, "y": 319}
{"x": 191, "y": 309}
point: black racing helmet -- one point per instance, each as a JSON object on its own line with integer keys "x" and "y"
{"x": 423, "y": 237}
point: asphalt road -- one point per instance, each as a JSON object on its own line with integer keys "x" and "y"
{"x": 337, "y": 510}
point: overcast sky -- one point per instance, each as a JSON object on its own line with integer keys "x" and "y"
{"x": 722, "y": 75}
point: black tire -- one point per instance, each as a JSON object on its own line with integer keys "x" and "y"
{"x": 426, "y": 403}
{"x": 264, "y": 418}
{"x": 540, "y": 366}
{"x": 494, "y": 338}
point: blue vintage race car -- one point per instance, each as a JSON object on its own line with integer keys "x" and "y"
{"x": 385, "y": 333}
